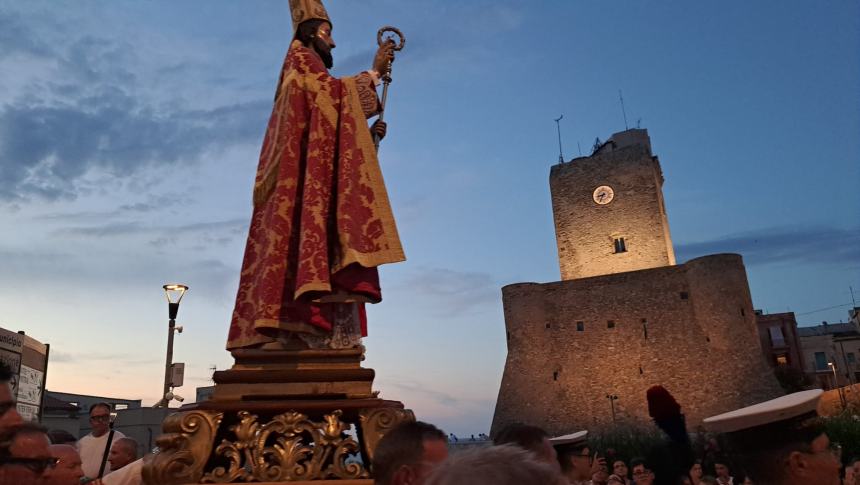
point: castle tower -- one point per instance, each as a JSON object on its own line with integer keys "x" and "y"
{"x": 625, "y": 317}
{"x": 609, "y": 211}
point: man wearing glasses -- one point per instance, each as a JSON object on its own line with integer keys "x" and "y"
{"x": 642, "y": 474}
{"x": 577, "y": 462}
{"x": 25, "y": 455}
{"x": 8, "y": 414}
{"x": 92, "y": 446}
{"x": 782, "y": 441}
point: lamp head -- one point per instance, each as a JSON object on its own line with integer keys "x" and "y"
{"x": 174, "y": 293}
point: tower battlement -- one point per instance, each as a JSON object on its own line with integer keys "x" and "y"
{"x": 609, "y": 211}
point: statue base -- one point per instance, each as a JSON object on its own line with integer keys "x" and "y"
{"x": 279, "y": 416}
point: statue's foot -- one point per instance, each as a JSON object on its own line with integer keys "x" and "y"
{"x": 289, "y": 343}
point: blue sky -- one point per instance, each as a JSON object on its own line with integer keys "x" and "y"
{"x": 129, "y": 135}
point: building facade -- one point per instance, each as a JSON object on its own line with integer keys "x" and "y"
{"x": 780, "y": 342}
{"x": 832, "y": 352}
{"x": 583, "y": 351}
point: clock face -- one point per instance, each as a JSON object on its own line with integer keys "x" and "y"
{"x": 603, "y": 194}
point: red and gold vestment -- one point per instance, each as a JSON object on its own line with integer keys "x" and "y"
{"x": 321, "y": 221}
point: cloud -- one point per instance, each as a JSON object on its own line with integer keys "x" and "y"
{"x": 92, "y": 118}
{"x": 16, "y": 37}
{"x": 45, "y": 150}
{"x": 453, "y": 293}
{"x": 214, "y": 232}
{"x": 118, "y": 360}
{"x": 151, "y": 204}
{"x": 814, "y": 244}
{"x": 462, "y": 416}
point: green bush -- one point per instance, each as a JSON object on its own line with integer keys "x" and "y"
{"x": 845, "y": 429}
{"x": 627, "y": 441}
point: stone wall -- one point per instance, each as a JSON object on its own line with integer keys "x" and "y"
{"x": 690, "y": 328}
{"x": 585, "y": 230}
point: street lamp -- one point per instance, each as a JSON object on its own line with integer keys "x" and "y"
{"x": 842, "y": 399}
{"x": 612, "y": 398}
{"x": 174, "y": 293}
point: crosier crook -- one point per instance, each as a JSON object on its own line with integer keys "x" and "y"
{"x": 386, "y": 79}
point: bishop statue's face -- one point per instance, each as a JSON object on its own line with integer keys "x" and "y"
{"x": 323, "y": 44}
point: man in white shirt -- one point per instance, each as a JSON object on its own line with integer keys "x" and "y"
{"x": 92, "y": 446}
{"x": 131, "y": 474}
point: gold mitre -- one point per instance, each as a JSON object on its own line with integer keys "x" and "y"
{"x": 303, "y": 10}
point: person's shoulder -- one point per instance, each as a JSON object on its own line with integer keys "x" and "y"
{"x": 118, "y": 434}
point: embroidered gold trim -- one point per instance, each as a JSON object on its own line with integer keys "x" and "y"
{"x": 371, "y": 175}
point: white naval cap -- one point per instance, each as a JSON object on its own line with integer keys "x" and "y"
{"x": 578, "y": 438}
{"x": 764, "y": 413}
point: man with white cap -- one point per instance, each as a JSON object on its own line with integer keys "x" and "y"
{"x": 782, "y": 441}
{"x": 574, "y": 456}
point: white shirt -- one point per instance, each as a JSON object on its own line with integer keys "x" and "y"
{"x": 92, "y": 449}
{"x": 130, "y": 474}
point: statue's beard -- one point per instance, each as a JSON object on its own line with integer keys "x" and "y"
{"x": 324, "y": 51}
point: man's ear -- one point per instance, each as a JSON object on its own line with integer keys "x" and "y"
{"x": 403, "y": 476}
{"x": 798, "y": 464}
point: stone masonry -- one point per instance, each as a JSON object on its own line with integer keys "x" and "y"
{"x": 688, "y": 327}
{"x": 585, "y": 230}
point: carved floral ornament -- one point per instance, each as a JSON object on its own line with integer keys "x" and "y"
{"x": 290, "y": 447}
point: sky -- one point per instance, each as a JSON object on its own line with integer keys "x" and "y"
{"x": 130, "y": 132}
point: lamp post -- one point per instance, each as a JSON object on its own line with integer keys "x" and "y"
{"x": 612, "y": 398}
{"x": 836, "y": 384}
{"x": 174, "y": 293}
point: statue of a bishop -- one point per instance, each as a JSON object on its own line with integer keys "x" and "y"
{"x": 321, "y": 222}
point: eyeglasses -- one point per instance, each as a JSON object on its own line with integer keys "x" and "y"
{"x": 36, "y": 465}
{"x": 5, "y": 406}
{"x": 101, "y": 418}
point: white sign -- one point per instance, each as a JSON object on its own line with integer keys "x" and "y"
{"x": 30, "y": 386}
{"x": 28, "y": 412}
{"x": 11, "y": 341}
{"x": 177, "y": 374}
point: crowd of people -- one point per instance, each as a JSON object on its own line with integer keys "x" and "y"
{"x": 31, "y": 455}
{"x": 414, "y": 454}
{"x": 780, "y": 442}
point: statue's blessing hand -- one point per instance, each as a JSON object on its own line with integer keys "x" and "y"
{"x": 384, "y": 57}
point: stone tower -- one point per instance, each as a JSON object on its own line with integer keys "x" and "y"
{"x": 625, "y": 317}
{"x": 609, "y": 211}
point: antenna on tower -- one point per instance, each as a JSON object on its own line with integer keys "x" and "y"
{"x": 579, "y": 148}
{"x": 623, "y": 111}
{"x": 558, "y": 126}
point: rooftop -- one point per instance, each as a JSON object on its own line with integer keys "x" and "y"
{"x": 835, "y": 329}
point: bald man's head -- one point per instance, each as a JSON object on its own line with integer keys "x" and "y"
{"x": 68, "y": 469}
{"x": 122, "y": 452}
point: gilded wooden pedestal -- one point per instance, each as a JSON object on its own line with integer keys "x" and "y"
{"x": 294, "y": 422}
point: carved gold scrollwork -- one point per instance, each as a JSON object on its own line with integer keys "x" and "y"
{"x": 290, "y": 447}
{"x": 376, "y": 422}
{"x": 184, "y": 448}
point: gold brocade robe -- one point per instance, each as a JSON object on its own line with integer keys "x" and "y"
{"x": 321, "y": 222}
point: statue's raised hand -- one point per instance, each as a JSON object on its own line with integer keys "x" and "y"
{"x": 384, "y": 57}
